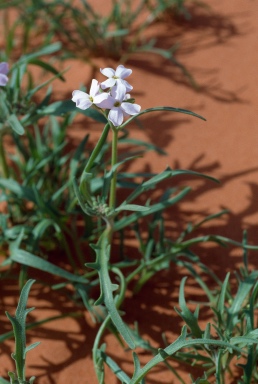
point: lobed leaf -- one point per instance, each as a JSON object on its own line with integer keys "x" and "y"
{"x": 181, "y": 342}
{"x": 19, "y": 328}
{"x": 190, "y": 319}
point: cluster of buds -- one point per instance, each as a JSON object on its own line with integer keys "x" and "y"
{"x": 101, "y": 208}
{"x": 110, "y": 95}
{"x": 98, "y": 208}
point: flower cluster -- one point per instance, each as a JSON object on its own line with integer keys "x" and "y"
{"x": 4, "y": 69}
{"x": 111, "y": 95}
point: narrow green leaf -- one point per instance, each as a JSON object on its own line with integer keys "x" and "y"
{"x": 190, "y": 319}
{"x": 125, "y": 221}
{"x": 242, "y": 292}
{"x": 141, "y": 143}
{"x": 61, "y": 107}
{"x": 3, "y": 381}
{"x": 39, "y": 230}
{"x": 168, "y": 109}
{"x": 251, "y": 337}
{"x": 19, "y": 190}
{"x": 15, "y": 124}
{"x": 221, "y": 301}
{"x": 132, "y": 207}
{"x": 32, "y": 346}
{"x": 187, "y": 172}
{"x": 23, "y": 257}
{"x": 77, "y": 157}
{"x": 40, "y": 86}
{"x": 47, "y": 67}
{"x": 137, "y": 364}
{"x": 116, "y": 33}
{"x": 167, "y": 173}
{"x": 48, "y": 50}
{"x": 120, "y": 374}
{"x": 8, "y": 335}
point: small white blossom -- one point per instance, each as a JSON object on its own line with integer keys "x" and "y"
{"x": 116, "y": 77}
{"x": 84, "y": 100}
{"x": 119, "y": 107}
{"x": 4, "y": 69}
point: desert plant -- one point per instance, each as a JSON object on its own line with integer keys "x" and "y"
{"x": 93, "y": 181}
{"x": 230, "y": 334}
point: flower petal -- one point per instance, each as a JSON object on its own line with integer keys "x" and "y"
{"x": 108, "y": 83}
{"x": 123, "y": 72}
{"x": 94, "y": 88}
{"x": 4, "y": 68}
{"x": 109, "y": 72}
{"x": 126, "y": 84}
{"x": 131, "y": 109}
{"x": 118, "y": 92}
{"x": 116, "y": 116}
{"x": 104, "y": 100}
{"x": 81, "y": 99}
{"x": 3, "y": 79}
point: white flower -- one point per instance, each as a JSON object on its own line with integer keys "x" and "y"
{"x": 118, "y": 106}
{"x": 116, "y": 77}
{"x": 84, "y": 100}
{"x": 4, "y": 69}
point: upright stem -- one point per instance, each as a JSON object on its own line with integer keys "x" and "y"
{"x": 3, "y": 163}
{"x": 98, "y": 363}
{"x": 112, "y": 196}
{"x": 97, "y": 148}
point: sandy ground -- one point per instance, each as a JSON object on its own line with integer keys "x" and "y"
{"x": 219, "y": 48}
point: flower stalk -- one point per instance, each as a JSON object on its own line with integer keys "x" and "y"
{"x": 111, "y": 99}
{"x": 3, "y": 162}
{"x": 112, "y": 196}
{"x": 97, "y": 148}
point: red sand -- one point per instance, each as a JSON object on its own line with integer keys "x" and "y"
{"x": 219, "y": 48}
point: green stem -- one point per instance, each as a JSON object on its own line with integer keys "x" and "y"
{"x": 98, "y": 365}
{"x": 107, "y": 288}
{"x": 139, "y": 269}
{"x": 98, "y": 148}
{"x": 72, "y": 233}
{"x": 112, "y": 196}
{"x": 84, "y": 186}
{"x": 23, "y": 276}
{"x": 104, "y": 325}
{"x": 4, "y": 166}
{"x": 68, "y": 251}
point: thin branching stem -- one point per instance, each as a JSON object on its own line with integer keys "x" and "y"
{"x": 105, "y": 324}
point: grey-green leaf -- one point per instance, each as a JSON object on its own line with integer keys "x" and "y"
{"x": 27, "y": 258}
{"x": 15, "y": 124}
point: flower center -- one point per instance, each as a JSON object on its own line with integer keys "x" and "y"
{"x": 117, "y": 104}
{"x": 115, "y": 77}
{"x": 91, "y": 99}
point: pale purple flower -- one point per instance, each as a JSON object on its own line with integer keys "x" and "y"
{"x": 119, "y": 107}
{"x": 4, "y": 69}
{"x": 84, "y": 100}
{"x": 116, "y": 77}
